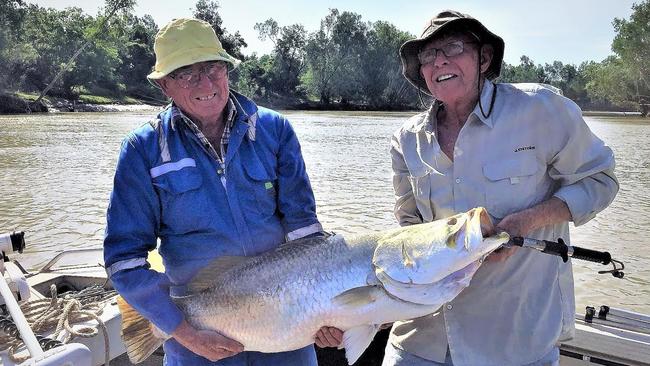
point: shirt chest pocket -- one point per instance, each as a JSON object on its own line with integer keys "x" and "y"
{"x": 183, "y": 201}
{"x": 420, "y": 179}
{"x": 510, "y": 185}
{"x": 261, "y": 192}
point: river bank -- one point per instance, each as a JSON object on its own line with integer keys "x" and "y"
{"x": 18, "y": 103}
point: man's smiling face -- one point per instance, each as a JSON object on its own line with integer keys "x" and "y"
{"x": 205, "y": 97}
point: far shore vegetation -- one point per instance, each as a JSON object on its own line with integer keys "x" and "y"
{"x": 347, "y": 64}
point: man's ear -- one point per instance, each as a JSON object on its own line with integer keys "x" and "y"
{"x": 163, "y": 84}
{"x": 487, "y": 52}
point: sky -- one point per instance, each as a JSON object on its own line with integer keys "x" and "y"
{"x": 570, "y": 31}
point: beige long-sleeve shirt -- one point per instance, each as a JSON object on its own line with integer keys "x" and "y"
{"x": 533, "y": 146}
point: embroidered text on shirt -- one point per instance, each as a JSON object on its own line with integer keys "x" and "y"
{"x": 524, "y": 148}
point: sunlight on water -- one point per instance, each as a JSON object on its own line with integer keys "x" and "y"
{"x": 56, "y": 173}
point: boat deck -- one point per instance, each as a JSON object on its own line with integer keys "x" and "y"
{"x": 597, "y": 344}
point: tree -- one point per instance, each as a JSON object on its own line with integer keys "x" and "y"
{"x": 84, "y": 37}
{"x": 254, "y": 77}
{"x": 525, "y": 72}
{"x": 288, "y": 56}
{"x": 333, "y": 56}
{"x": 609, "y": 81}
{"x": 381, "y": 80}
{"x": 137, "y": 58}
{"x": 632, "y": 45}
{"x": 14, "y": 52}
{"x": 208, "y": 10}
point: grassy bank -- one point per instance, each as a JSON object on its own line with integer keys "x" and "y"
{"x": 20, "y": 102}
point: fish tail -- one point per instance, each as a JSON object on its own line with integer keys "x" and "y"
{"x": 139, "y": 335}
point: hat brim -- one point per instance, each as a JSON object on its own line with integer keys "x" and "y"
{"x": 192, "y": 57}
{"x": 409, "y": 50}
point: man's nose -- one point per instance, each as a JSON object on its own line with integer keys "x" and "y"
{"x": 203, "y": 80}
{"x": 441, "y": 58}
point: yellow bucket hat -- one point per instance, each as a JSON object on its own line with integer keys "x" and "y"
{"x": 184, "y": 42}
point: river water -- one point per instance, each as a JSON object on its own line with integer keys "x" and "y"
{"x": 56, "y": 172}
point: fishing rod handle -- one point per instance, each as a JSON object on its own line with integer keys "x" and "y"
{"x": 560, "y": 249}
{"x": 545, "y": 246}
{"x": 591, "y": 255}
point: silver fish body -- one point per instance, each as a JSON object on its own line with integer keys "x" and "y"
{"x": 278, "y": 301}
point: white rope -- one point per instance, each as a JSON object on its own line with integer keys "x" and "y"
{"x": 60, "y": 314}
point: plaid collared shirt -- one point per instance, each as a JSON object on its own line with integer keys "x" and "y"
{"x": 231, "y": 113}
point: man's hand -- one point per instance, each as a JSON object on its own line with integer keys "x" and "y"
{"x": 524, "y": 222}
{"x": 206, "y": 343}
{"x": 515, "y": 224}
{"x": 328, "y": 337}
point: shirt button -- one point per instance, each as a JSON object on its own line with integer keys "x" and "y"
{"x": 457, "y": 180}
{"x": 449, "y": 307}
{"x": 219, "y": 171}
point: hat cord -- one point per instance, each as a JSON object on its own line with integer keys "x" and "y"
{"x": 420, "y": 97}
{"x": 478, "y": 87}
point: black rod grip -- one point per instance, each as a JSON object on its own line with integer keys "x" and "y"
{"x": 559, "y": 249}
{"x": 591, "y": 255}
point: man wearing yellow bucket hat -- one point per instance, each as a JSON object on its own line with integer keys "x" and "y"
{"x": 212, "y": 175}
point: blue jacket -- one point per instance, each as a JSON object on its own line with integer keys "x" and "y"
{"x": 168, "y": 187}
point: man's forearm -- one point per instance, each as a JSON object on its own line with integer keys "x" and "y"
{"x": 549, "y": 212}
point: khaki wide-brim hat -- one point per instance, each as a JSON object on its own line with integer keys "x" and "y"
{"x": 448, "y": 20}
{"x": 184, "y": 42}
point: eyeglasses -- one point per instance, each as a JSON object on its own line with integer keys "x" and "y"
{"x": 454, "y": 48}
{"x": 187, "y": 78}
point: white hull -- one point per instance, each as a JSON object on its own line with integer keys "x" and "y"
{"x": 76, "y": 277}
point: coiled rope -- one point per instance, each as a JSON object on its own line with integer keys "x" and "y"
{"x": 59, "y": 314}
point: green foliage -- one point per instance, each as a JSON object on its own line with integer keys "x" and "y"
{"x": 381, "y": 80}
{"x": 288, "y": 58}
{"x": 208, "y": 10}
{"x": 632, "y": 45}
{"x": 137, "y": 58}
{"x": 347, "y": 61}
{"x": 609, "y": 81}
{"x": 525, "y": 72}
{"x": 94, "y": 99}
{"x": 334, "y": 55}
{"x": 254, "y": 77}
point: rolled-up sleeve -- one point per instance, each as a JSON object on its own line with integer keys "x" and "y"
{"x": 406, "y": 211}
{"x": 131, "y": 232}
{"x": 583, "y": 166}
{"x": 296, "y": 201}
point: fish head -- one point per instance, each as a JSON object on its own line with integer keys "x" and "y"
{"x": 426, "y": 253}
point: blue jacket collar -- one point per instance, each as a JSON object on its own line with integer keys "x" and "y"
{"x": 245, "y": 112}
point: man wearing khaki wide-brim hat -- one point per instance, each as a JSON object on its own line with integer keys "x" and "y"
{"x": 522, "y": 151}
{"x": 212, "y": 175}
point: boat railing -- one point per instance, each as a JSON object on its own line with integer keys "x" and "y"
{"x": 49, "y": 265}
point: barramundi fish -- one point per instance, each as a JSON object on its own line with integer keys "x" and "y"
{"x": 277, "y": 301}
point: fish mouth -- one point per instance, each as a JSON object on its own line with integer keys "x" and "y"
{"x": 206, "y": 97}
{"x": 445, "y": 77}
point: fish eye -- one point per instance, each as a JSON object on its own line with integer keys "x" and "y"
{"x": 452, "y": 221}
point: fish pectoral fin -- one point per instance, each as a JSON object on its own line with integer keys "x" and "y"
{"x": 140, "y": 337}
{"x": 209, "y": 274}
{"x": 357, "y": 297}
{"x": 357, "y": 339}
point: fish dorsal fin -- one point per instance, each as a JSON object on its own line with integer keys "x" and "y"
{"x": 307, "y": 241}
{"x": 210, "y": 273}
{"x": 357, "y": 339}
